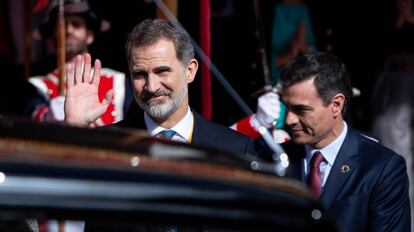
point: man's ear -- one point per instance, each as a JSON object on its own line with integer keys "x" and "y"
{"x": 90, "y": 37}
{"x": 191, "y": 70}
{"x": 337, "y": 103}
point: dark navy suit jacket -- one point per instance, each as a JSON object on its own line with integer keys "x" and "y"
{"x": 372, "y": 195}
{"x": 205, "y": 133}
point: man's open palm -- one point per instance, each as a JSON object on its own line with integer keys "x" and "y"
{"x": 82, "y": 105}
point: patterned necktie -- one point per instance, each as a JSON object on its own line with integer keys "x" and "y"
{"x": 166, "y": 134}
{"x": 314, "y": 177}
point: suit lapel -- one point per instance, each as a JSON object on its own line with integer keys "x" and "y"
{"x": 201, "y": 131}
{"x": 296, "y": 171}
{"x": 134, "y": 117}
{"x": 345, "y": 164}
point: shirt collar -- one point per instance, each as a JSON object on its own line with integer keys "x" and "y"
{"x": 329, "y": 152}
{"x": 184, "y": 128}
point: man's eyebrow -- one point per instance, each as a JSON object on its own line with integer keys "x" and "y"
{"x": 162, "y": 68}
{"x": 300, "y": 107}
{"x": 138, "y": 71}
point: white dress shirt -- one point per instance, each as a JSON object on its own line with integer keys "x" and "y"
{"x": 329, "y": 154}
{"x": 183, "y": 129}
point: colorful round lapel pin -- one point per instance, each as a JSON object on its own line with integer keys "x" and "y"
{"x": 345, "y": 168}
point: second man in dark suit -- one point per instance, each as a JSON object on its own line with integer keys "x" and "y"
{"x": 362, "y": 184}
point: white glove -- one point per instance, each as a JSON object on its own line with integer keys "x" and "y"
{"x": 57, "y": 111}
{"x": 280, "y": 136}
{"x": 268, "y": 109}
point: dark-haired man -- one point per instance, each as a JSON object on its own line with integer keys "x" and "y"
{"x": 161, "y": 61}
{"x": 362, "y": 184}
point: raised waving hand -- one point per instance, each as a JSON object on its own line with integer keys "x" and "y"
{"x": 82, "y": 105}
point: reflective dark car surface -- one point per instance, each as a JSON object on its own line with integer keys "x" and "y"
{"x": 127, "y": 181}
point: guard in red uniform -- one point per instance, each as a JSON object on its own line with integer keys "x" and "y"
{"x": 81, "y": 26}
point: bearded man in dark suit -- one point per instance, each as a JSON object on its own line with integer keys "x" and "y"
{"x": 161, "y": 62}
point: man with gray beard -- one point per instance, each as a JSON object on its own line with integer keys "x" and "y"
{"x": 161, "y": 62}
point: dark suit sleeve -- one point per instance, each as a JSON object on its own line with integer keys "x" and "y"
{"x": 389, "y": 203}
{"x": 234, "y": 142}
{"x": 250, "y": 147}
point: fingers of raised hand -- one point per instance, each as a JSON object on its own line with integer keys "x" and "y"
{"x": 81, "y": 71}
{"x": 87, "y": 68}
{"x": 70, "y": 75}
{"x": 97, "y": 73}
{"x": 108, "y": 97}
{"x": 78, "y": 69}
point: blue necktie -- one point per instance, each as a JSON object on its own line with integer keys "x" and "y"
{"x": 166, "y": 134}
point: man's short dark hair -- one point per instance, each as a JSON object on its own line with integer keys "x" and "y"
{"x": 150, "y": 31}
{"x": 331, "y": 75}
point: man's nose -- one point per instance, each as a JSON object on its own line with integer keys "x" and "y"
{"x": 153, "y": 83}
{"x": 69, "y": 28}
{"x": 291, "y": 118}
